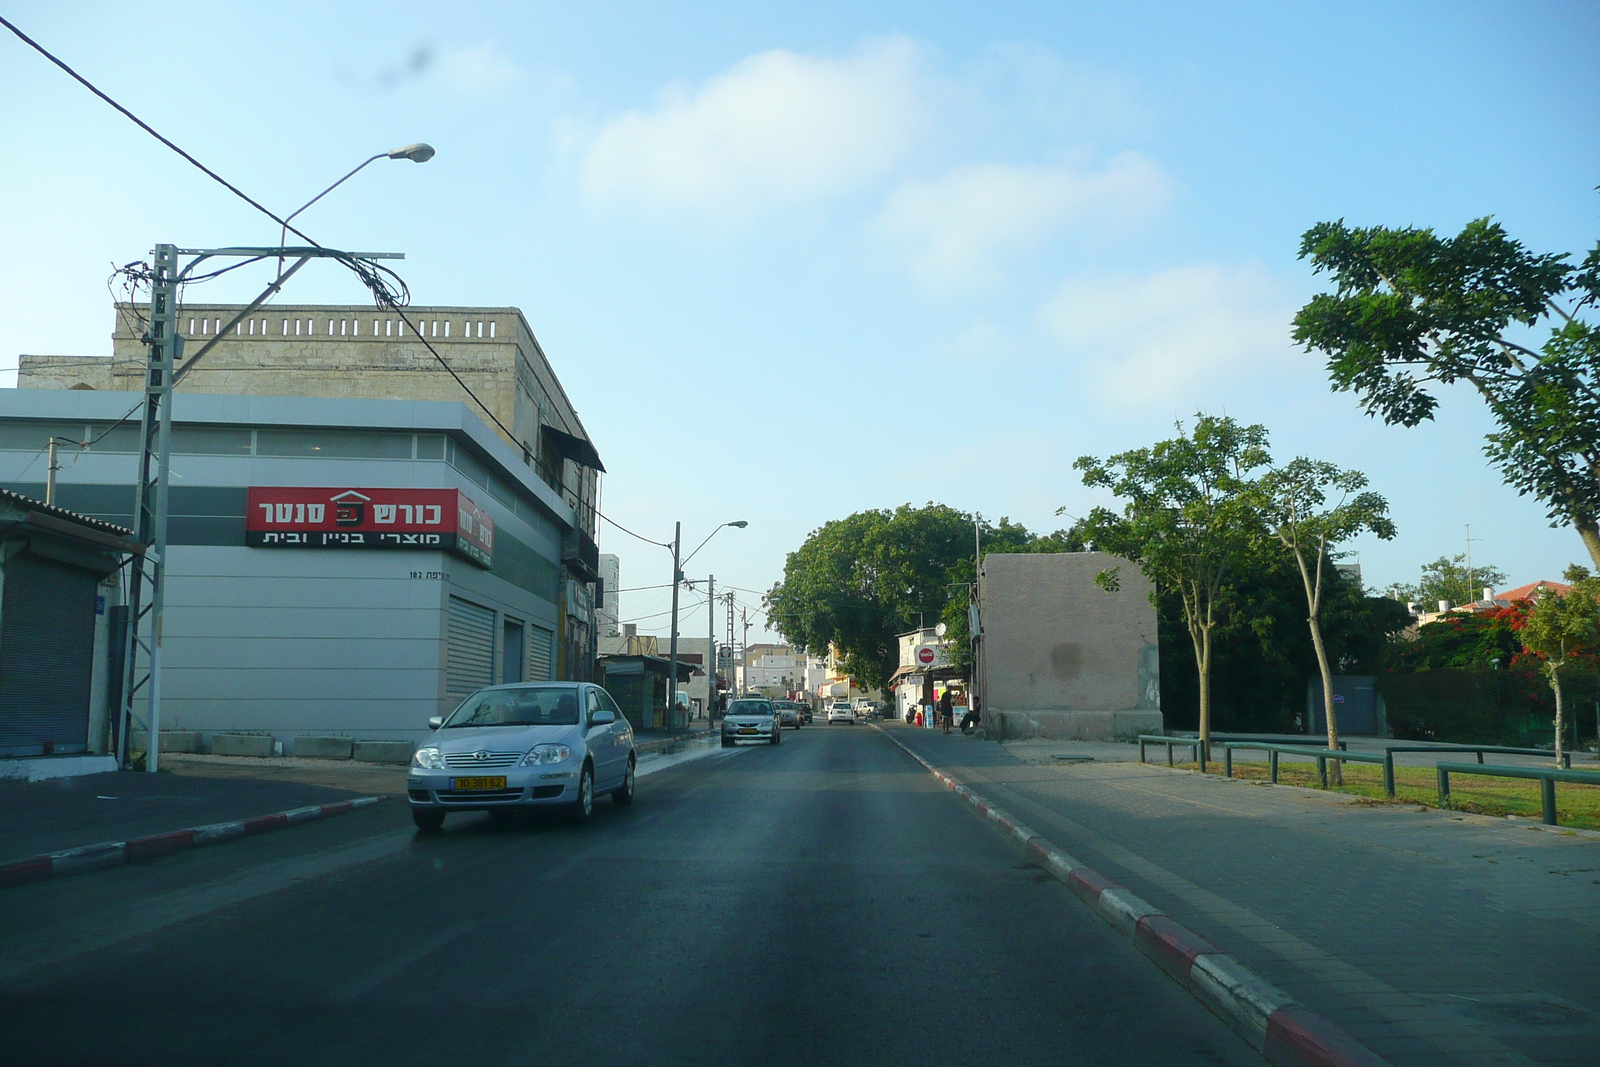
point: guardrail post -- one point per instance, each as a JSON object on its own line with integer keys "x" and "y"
{"x": 1388, "y": 774}
{"x": 1141, "y": 750}
{"x": 1227, "y": 761}
{"x": 1272, "y": 766}
{"x": 1480, "y": 755}
{"x": 1322, "y": 770}
{"x": 1566, "y": 760}
{"x": 1169, "y": 754}
{"x": 1444, "y": 788}
{"x": 1547, "y": 800}
{"x": 1203, "y": 754}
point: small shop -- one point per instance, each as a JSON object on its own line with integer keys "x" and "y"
{"x": 639, "y": 686}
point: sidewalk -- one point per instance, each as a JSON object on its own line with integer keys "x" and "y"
{"x": 1433, "y": 937}
{"x": 65, "y": 813}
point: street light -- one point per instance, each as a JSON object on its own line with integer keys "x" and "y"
{"x": 417, "y": 153}
{"x": 677, "y": 579}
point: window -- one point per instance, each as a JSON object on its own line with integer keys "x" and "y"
{"x": 430, "y": 446}
{"x": 286, "y": 326}
{"x": 491, "y": 329}
{"x": 447, "y": 327}
{"x": 333, "y": 444}
{"x": 211, "y": 440}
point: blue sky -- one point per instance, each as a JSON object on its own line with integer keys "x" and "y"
{"x": 792, "y": 261}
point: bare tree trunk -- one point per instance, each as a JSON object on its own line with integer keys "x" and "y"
{"x": 1589, "y": 530}
{"x": 1555, "y": 684}
{"x": 1200, "y": 634}
{"x": 1327, "y": 695}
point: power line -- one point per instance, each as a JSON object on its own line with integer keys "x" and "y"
{"x": 147, "y": 128}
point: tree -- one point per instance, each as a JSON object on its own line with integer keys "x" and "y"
{"x": 1449, "y": 578}
{"x": 1294, "y": 500}
{"x": 1413, "y": 309}
{"x": 1559, "y": 628}
{"x": 858, "y": 582}
{"x": 1188, "y": 521}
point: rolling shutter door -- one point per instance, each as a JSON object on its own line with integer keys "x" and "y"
{"x": 46, "y": 656}
{"x": 540, "y": 642}
{"x": 469, "y": 650}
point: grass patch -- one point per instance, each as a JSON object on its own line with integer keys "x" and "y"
{"x": 1577, "y": 806}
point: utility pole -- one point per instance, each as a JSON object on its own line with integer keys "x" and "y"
{"x": 50, "y": 475}
{"x": 147, "y": 573}
{"x": 1472, "y": 594}
{"x": 711, "y": 646}
{"x": 677, "y": 579}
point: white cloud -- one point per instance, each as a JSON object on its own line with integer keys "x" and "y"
{"x": 1164, "y": 334}
{"x": 957, "y": 228}
{"x": 777, "y": 131}
{"x": 481, "y": 69}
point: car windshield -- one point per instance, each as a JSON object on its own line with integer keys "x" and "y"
{"x": 750, "y": 707}
{"x": 547, "y": 705}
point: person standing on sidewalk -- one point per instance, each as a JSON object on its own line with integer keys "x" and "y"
{"x": 947, "y": 714}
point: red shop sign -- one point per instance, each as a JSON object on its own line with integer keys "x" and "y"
{"x": 298, "y": 517}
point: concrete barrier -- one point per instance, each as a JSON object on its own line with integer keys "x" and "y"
{"x": 382, "y": 751}
{"x": 171, "y": 741}
{"x": 323, "y": 747}
{"x": 241, "y": 744}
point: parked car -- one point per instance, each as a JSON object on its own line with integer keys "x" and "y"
{"x": 751, "y": 719}
{"x": 789, "y": 713}
{"x": 523, "y": 746}
{"x": 841, "y": 711}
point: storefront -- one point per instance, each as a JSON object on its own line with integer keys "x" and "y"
{"x": 338, "y": 568}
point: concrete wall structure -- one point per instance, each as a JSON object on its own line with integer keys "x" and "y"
{"x": 1058, "y": 656}
{"x": 323, "y": 641}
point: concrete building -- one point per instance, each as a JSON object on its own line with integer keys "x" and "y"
{"x": 773, "y": 669}
{"x": 338, "y": 568}
{"x": 924, "y": 673}
{"x": 1058, "y": 656}
{"x": 358, "y": 352}
{"x": 60, "y": 652}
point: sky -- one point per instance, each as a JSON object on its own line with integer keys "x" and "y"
{"x": 792, "y": 261}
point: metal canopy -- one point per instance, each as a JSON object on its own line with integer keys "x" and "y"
{"x": 578, "y": 449}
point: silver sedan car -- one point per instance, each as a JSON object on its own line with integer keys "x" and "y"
{"x": 523, "y": 746}
{"x": 751, "y": 719}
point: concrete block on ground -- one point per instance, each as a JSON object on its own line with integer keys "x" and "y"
{"x": 241, "y": 745}
{"x": 323, "y": 747}
{"x": 171, "y": 741}
{"x": 382, "y": 751}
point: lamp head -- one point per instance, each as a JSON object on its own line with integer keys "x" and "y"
{"x": 417, "y": 153}
{"x": 741, "y": 524}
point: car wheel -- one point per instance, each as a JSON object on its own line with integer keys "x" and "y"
{"x": 583, "y": 808}
{"x": 777, "y": 735}
{"x": 622, "y": 795}
{"x": 429, "y": 819}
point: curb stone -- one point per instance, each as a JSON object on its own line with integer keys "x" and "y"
{"x": 153, "y": 846}
{"x": 1268, "y": 1018}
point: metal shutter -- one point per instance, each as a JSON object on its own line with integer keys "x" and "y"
{"x": 46, "y": 656}
{"x": 469, "y": 649}
{"x": 540, "y": 642}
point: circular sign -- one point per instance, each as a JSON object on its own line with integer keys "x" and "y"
{"x": 926, "y": 655}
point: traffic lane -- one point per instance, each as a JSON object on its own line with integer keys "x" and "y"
{"x": 821, "y": 901}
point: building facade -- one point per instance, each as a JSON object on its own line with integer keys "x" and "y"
{"x": 337, "y": 567}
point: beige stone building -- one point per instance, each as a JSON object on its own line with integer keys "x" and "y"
{"x": 365, "y": 352}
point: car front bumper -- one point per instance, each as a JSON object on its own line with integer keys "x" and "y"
{"x": 525, "y": 786}
{"x": 750, "y": 733}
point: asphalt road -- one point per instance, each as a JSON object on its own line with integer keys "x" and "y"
{"x": 819, "y": 902}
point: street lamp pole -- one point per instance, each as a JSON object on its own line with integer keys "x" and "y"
{"x": 677, "y": 577}
{"x": 417, "y": 153}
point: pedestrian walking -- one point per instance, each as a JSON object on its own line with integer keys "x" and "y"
{"x": 947, "y": 715}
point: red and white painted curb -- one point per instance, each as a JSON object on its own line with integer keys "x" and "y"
{"x": 112, "y": 853}
{"x": 1266, "y": 1016}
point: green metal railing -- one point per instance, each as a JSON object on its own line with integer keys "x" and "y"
{"x": 1547, "y": 777}
{"x": 1193, "y": 744}
{"x": 1321, "y": 755}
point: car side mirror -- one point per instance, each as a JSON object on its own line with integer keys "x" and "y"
{"x": 435, "y": 721}
{"x": 602, "y": 718}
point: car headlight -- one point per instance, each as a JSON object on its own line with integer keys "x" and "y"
{"x": 428, "y": 759}
{"x": 540, "y": 754}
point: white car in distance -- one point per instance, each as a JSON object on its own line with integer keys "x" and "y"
{"x": 841, "y": 711}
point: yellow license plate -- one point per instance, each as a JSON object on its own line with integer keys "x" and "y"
{"x": 498, "y": 782}
{"x": 747, "y": 729}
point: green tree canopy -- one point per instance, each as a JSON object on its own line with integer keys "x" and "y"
{"x": 1449, "y": 578}
{"x": 1189, "y": 519}
{"x": 1562, "y": 628}
{"x": 1413, "y": 310}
